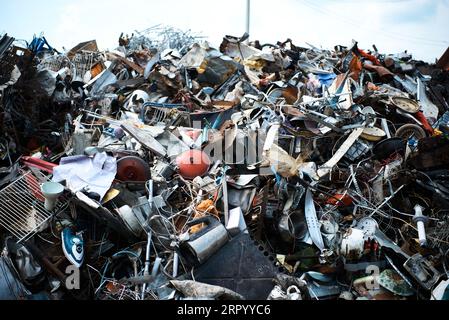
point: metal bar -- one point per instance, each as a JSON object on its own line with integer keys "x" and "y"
{"x": 51, "y": 268}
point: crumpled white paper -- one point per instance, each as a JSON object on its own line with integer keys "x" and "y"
{"x": 81, "y": 172}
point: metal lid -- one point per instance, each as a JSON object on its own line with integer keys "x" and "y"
{"x": 405, "y": 104}
{"x": 373, "y": 134}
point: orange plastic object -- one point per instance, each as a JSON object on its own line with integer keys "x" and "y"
{"x": 193, "y": 163}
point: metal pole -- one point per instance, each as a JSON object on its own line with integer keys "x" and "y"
{"x": 248, "y": 17}
{"x": 147, "y": 263}
{"x": 149, "y": 235}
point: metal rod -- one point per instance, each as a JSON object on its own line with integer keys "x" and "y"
{"x": 386, "y": 200}
{"x": 147, "y": 263}
{"x": 149, "y": 234}
{"x": 225, "y": 198}
{"x": 175, "y": 265}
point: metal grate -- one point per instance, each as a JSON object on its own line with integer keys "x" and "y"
{"x": 22, "y": 210}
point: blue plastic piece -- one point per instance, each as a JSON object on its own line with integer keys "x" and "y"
{"x": 73, "y": 247}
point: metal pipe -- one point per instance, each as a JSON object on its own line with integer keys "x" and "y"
{"x": 225, "y": 198}
{"x": 157, "y": 264}
{"x": 147, "y": 263}
{"x": 150, "y": 194}
{"x": 147, "y": 256}
{"x": 175, "y": 265}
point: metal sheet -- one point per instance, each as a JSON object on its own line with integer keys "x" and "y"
{"x": 241, "y": 267}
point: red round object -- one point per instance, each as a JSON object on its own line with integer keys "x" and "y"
{"x": 192, "y": 164}
{"x": 132, "y": 169}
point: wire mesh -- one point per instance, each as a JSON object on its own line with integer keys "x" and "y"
{"x": 22, "y": 210}
{"x": 438, "y": 234}
{"x": 164, "y": 37}
{"x": 85, "y": 60}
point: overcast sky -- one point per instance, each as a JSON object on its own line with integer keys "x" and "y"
{"x": 419, "y": 26}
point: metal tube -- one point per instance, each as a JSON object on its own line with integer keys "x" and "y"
{"x": 147, "y": 264}
{"x": 150, "y": 194}
{"x": 225, "y": 198}
{"x": 175, "y": 265}
{"x": 156, "y": 265}
{"x": 147, "y": 257}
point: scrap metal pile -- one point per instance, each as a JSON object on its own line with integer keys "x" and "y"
{"x": 170, "y": 170}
